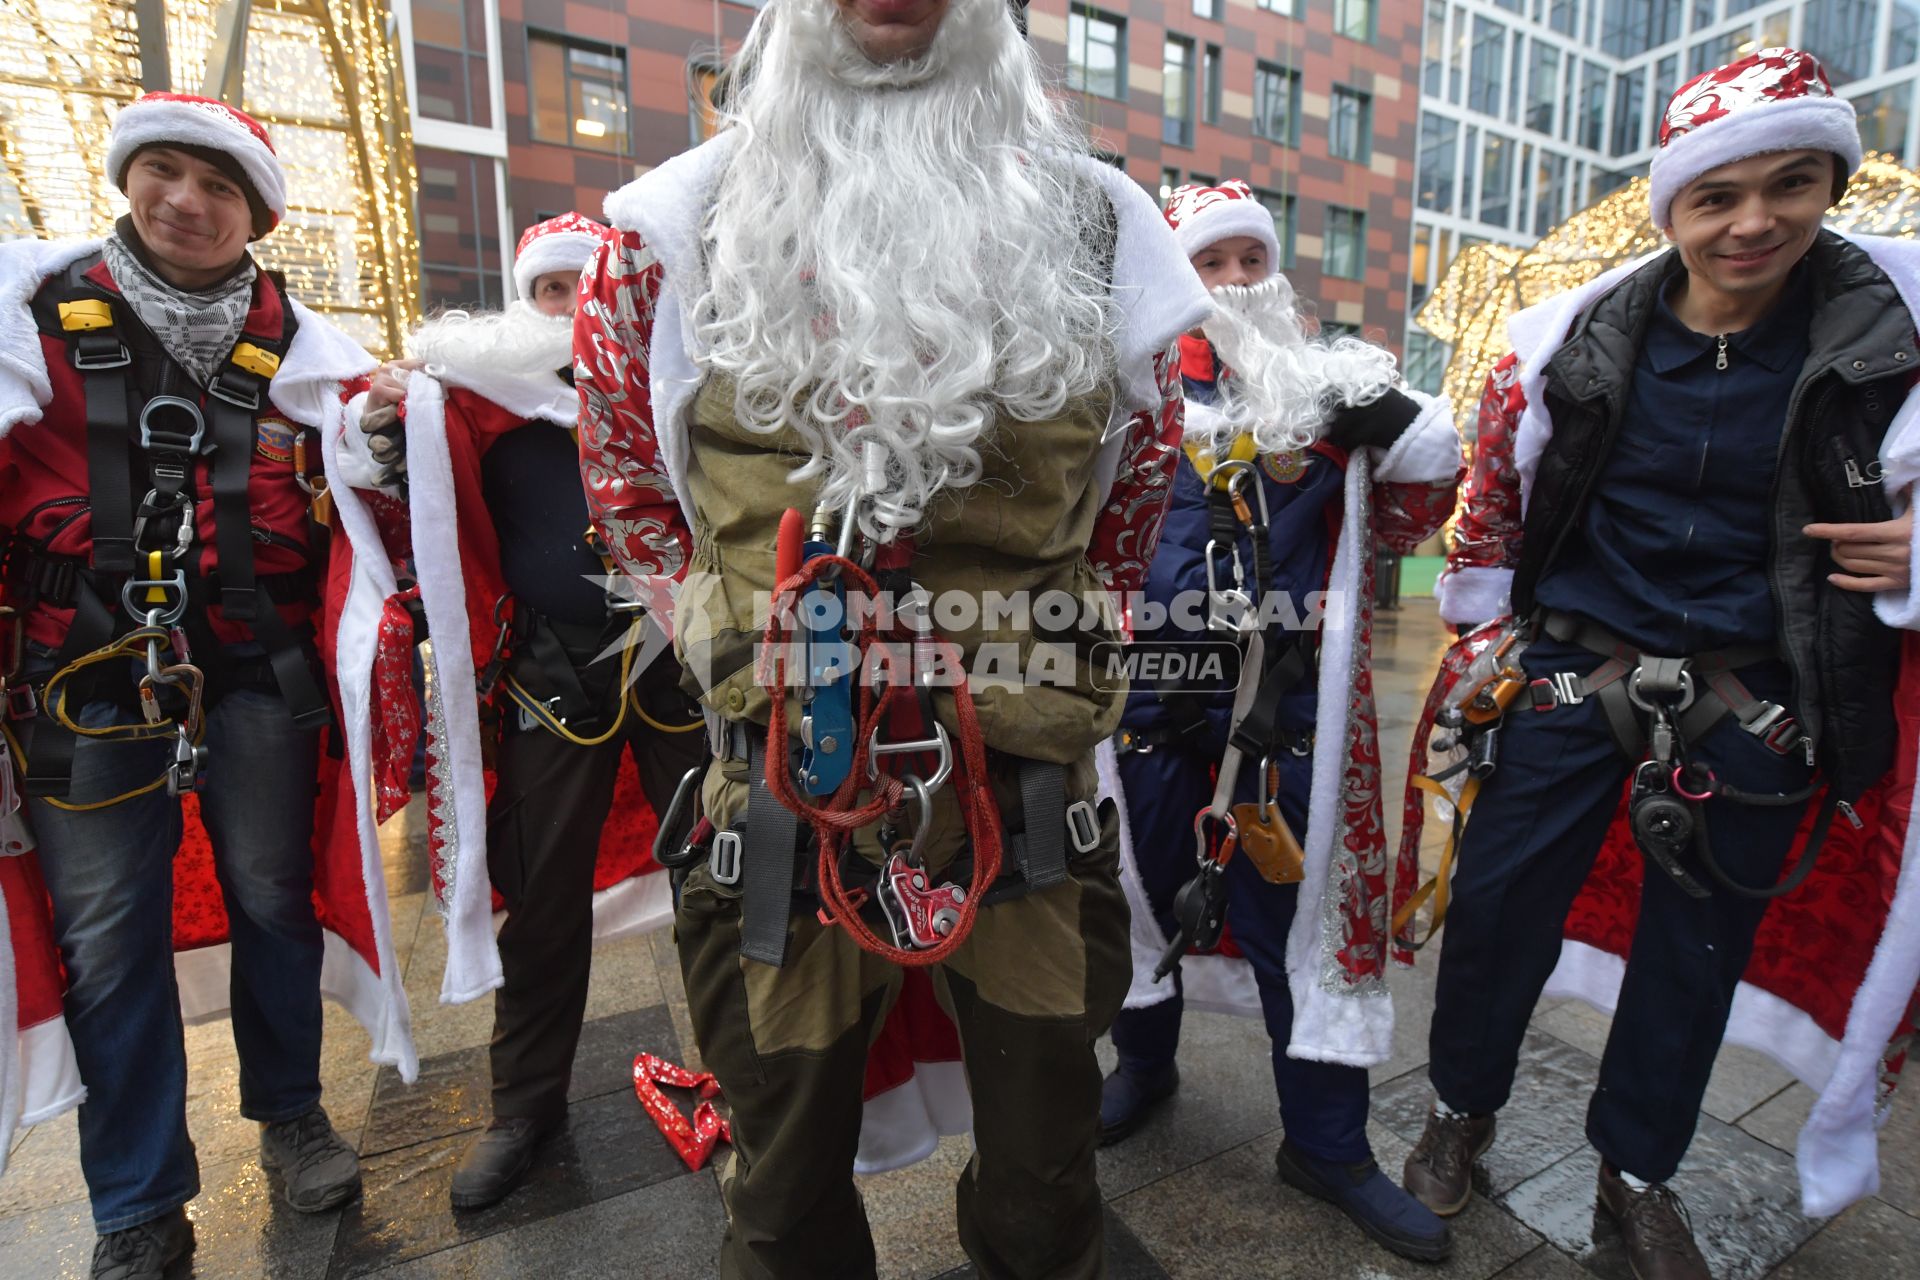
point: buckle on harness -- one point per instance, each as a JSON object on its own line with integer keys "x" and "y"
{"x": 100, "y": 359}
{"x": 21, "y": 703}
{"x": 246, "y": 396}
{"x": 173, "y": 425}
{"x": 939, "y": 744}
{"x": 1561, "y": 689}
{"x": 166, "y": 616}
{"x": 1646, "y": 701}
{"x": 723, "y": 861}
{"x": 1083, "y": 826}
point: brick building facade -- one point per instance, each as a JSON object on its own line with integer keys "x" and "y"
{"x": 525, "y": 108}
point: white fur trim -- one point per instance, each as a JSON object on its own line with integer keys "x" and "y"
{"x": 1155, "y": 290}
{"x": 1789, "y": 124}
{"x": 357, "y": 467}
{"x": 473, "y": 958}
{"x": 903, "y": 1125}
{"x": 1355, "y": 1029}
{"x": 1473, "y": 595}
{"x": 1426, "y": 452}
{"x": 50, "y": 1074}
{"x": 24, "y": 267}
{"x": 149, "y": 122}
{"x": 356, "y": 635}
{"x": 638, "y": 904}
{"x": 555, "y": 251}
{"x": 1223, "y": 220}
{"x": 542, "y": 399}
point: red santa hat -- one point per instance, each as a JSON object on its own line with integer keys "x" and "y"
{"x": 564, "y": 243}
{"x": 1771, "y": 100}
{"x": 222, "y": 135}
{"x": 1202, "y": 216}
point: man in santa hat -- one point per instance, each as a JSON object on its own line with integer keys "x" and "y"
{"x": 165, "y": 567}
{"x": 576, "y": 684}
{"x": 1691, "y": 505}
{"x": 897, "y": 295}
{"x": 1301, "y": 457}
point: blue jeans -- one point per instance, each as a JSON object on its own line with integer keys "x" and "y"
{"x": 1323, "y": 1105}
{"x": 110, "y": 874}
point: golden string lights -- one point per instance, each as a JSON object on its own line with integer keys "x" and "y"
{"x": 1487, "y": 283}
{"x": 320, "y": 74}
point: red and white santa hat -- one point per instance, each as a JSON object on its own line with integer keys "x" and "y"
{"x": 564, "y": 243}
{"x": 1771, "y": 100}
{"x": 213, "y": 130}
{"x": 1202, "y": 216}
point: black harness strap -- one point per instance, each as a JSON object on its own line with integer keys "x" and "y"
{"x": 233, "y": 404}
{"x": 767, "y": 859}
{"x": 50, "y": 767}
{"x": 1040, "y": 850}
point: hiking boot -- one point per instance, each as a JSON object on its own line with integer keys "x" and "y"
{"x": 1370, "y": 1200}
{"x": 145, "y": 1250}
{"x": 320, "y": 1171}
{"x": 1127, "y": 1097}
{"x": 1439, "y": 1173}
{"x": 1658, "y": 1232}
{"x": 496, "y": 1161}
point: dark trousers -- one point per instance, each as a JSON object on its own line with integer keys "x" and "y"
{"x": 1531, "y": 839}
{"x": 1323, "y": 1105}
{"x": 109, "y": 872}
{"x": 543, "y": 832}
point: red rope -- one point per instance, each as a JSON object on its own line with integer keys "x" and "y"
{"x": 839, "y": 816}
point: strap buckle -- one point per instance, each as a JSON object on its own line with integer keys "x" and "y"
{"x": 168, "y": 611}
{"x": 1670, "y": 686}
{"x": 171, "y": 424}
{"x": 1561, "y": 689}
{"x": 21, "y": 703}
{"x": 242, "y": 392}
{"x": 100, "y": 357}
{"x": 1083, "y": 826}
{"x": 723, "y": 860}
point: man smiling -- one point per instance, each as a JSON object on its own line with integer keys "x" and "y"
{"x": 1678, "y": 499}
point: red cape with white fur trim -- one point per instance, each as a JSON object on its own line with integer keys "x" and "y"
{"x": 38, "y": 1078}
{"x": 1831, "y": 989}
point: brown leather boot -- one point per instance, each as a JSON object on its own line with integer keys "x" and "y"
{"x": 1439, "y": 1173}
{"x": 1658, "y": 1234}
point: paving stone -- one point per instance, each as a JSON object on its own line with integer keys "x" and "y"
{"x": 1779, "y": 1122}
{"x": 1742, "y": 1078}
{"x": 453, "y": 1093}
{"x": 1543, "y": 1121}
{"x": 910, "y": 1211}
{"x": 1545, "y": 1263}
{"x": 624, "y": 978}
{"x": 44, "y": 1168}
{"x": 55, "y": 1243}
{"x": 1231, "y": 1216}
{"x": 1412, "y": 1015}
{"x": 1127, "y": 1258}
{"x": 669, "y": 1231}
{"x": 1226, "y": 1097}
{"x": 609, "y": 1147}
{"x": 243, "y": 1228}
{"x": 1870, "y": 1239}
{"x": 1740, "y": 1193}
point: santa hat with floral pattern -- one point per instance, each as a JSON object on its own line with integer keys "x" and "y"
{"x": 1202, "y": 216}
{"x": 1771, "y": 100}
{"x": 564, "y": 243}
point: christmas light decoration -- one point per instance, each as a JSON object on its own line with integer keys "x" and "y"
{"x": 322, "y": 75}
{"x": 1487, "y": 283}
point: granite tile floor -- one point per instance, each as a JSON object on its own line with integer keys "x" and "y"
{"x": 1192, "y": 1194}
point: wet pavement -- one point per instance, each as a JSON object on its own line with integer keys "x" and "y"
{"x": 1193, "y": 1193}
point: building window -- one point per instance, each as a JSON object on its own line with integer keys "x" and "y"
{"x": 1883, "y": 118}
{"x": 1607, "y": 181}
{"x": 1282, "y": 208}
{"x": 1483, "y": 80}
{"x": 1629, "y": 27}
{"x": 1593, "y": 116}
{"x": 1515, "y": 75}
{"x": 1282, "y": 7}
{"x": 1840, "y": 34}
{"x": 1903, "y": 37}
{"x": 1629, "y": 108}
{"x": 1496, "y": 181}
{"x": 1437, "y": 140}
{"x": 1276, "y": 104}
{"x": 1703, "y": 11}
{"x": 1176, "y": 92}
{"x": 579, "y": 93}
{"x": 1096, "y": 52}
{"x": 1550, "y": 192}
{"x": 1202, "y": 179}
{"x": 460, "y": 237}
{"x": 1433, "y": 65}
{"x": 1213, "y": 78}
{"x": 450, "y": 61}
{"x": 1346, "y": 248}
{"x": 1563, "y": 15}
{"x": 1721, "y": 50}
{"x": 1543, "y": 87}
{"x": 1169, "y": 182}
{"x": 1350, "y": 125}
{"x": 1354, "y": 19}
{"x": 1208, "y": 9}
{"x": 1426, "y": 367}
{"x": 1331, "y": 329}
{"x": 1666, "y": 79}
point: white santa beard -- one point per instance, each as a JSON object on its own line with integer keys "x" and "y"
{"x": 1281, "y": 385}
{"x": 520, "y": 342}
{"x": 905, "y": 263}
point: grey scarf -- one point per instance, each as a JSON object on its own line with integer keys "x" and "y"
{"x": 198, "y": 329}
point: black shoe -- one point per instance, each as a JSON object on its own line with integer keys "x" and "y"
{"x": 320, "y": 1171}
{"x": 1371, "y": 1202}
{"x": 143, "y": 1251}
{"x": 1127, "y": 1096}
{"x": 496, "y": 1162}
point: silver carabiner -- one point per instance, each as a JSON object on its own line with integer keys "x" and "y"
{"x": 939, "y": 743}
